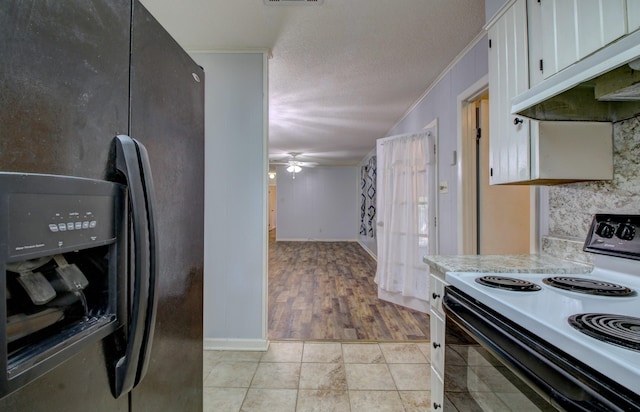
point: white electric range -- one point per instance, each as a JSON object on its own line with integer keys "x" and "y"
{"x": 548, "y": 313}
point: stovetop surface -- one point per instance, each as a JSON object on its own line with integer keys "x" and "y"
{"x": 545, "y": 313}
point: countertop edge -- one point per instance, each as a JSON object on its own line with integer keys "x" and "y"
{"x": 534, "y": 263}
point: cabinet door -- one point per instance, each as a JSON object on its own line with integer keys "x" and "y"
{"x": 599, "y": 22}
{"x": 437, "y": 361}
{"x": 437, "y": 325}
{"x": 559, "y": 48}
{"x": 633, "y": 15}
{"x": 576, "y": 28}
{"x": 535, "y": 33}
{"x": 508, "y": 77}
{"x": 437, "y": 394}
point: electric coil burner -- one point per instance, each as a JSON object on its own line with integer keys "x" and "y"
{"x": 588, "y": 286}
{"x": 508, "y": 283}
{"x": 618, "y": 330}
{"x": 577, "y": 338}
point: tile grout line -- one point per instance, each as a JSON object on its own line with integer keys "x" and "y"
{"x": 322, "y": 359}
{"x": 345, "y": 375}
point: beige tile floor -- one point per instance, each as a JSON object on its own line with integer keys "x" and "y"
{"x": 319, "y": 376}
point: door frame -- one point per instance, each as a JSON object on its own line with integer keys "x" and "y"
{"x": 467, "y": 178}
{"x": 435, "y": 182}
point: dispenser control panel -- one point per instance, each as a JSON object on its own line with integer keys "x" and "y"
{"x": 52, "y": 214}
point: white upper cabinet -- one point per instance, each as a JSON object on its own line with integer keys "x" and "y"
{"x": 573, "y": 29}
{"x": 524, "y": 151}
{"x": 633, "y": 15}
{"x": 508, "y": 77}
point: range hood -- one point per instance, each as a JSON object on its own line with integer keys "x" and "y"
{"x": 604, "y": 86}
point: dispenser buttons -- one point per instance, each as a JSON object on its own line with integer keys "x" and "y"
{"x": 63, "y": 227}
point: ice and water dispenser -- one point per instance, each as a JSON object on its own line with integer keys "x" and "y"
{"x": 60, "y": 264}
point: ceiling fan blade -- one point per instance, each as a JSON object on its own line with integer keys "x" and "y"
{"x": 294, "y": 158}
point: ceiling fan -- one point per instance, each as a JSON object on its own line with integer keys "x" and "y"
{"x": 294, "y": 164}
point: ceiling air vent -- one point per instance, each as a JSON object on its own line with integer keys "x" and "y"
{"x": 292, "y": 2}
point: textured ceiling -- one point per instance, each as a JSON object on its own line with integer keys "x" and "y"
{"x": 343, "y": 73}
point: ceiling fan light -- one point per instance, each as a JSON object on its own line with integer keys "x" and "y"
{"x": 294, "y": 169}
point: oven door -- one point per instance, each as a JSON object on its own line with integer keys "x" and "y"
{"x": 493, "y": 364}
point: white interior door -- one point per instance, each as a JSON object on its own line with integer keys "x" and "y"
{"x": 406, "y": 212}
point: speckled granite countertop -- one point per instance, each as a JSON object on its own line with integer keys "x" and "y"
{"x": 504, "y": 264}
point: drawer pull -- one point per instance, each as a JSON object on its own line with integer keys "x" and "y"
{"x": 435, "y": 296}
{"x": 436, "y": 345}
{"x": 436, "y": 406}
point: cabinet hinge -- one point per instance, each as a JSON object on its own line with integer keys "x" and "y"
{"x": 541, "y": 65}
{"x": 435, "y": 221}
{"x": 434, "y": 150}
{"x": 478, "y": 133}
{"x": 489, "y": 43}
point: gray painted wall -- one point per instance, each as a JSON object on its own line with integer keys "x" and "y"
{"x": 319, "y": 204}
{"x": 491, "y": 7}
{"x": 235, "y": 196}
{"x": 441, "y": 103}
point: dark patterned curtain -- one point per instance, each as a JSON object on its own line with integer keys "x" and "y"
{"x": 368, "y": 198}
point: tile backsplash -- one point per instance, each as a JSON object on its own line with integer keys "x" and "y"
{"x": 572, "y": 206}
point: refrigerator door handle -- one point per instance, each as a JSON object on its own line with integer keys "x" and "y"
{"x": 132, "y": 161}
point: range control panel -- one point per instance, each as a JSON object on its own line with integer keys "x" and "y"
{"x": 615, "y": 235}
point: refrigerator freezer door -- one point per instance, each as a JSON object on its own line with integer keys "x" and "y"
{"x": 64, "y": 85}
{"x": 64, "y": 94}
{"x": 167, "y": 106}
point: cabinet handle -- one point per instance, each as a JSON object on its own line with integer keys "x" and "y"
{"x": 436, "y": 406}
{"x": 436, "y": 345}
{"x": 517, "y": 121}
{"x": 435, "y": 296}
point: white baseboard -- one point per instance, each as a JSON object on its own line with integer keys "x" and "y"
{"x": 408, "y": 302}
{"x": 236, "y": 344}
{"x": 368, "y": 250}
{"x": 313, "y": 240}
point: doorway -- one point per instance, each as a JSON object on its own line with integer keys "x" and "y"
{"x": 272, "y": 206}
{"x": 324, "y": 290}
{"x": 496, "y": 219}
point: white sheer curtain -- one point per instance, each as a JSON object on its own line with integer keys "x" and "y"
{"x": 404, "y": 214}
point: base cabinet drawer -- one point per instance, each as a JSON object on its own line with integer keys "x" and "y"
{"x": 436, "y": 288}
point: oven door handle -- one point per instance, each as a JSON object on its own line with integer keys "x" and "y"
{"x": 133, "y": 163}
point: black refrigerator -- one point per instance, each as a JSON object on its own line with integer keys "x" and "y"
{"x": 77, "y": 79}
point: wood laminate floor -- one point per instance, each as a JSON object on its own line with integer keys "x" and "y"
{"x": 325, "y": 291}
